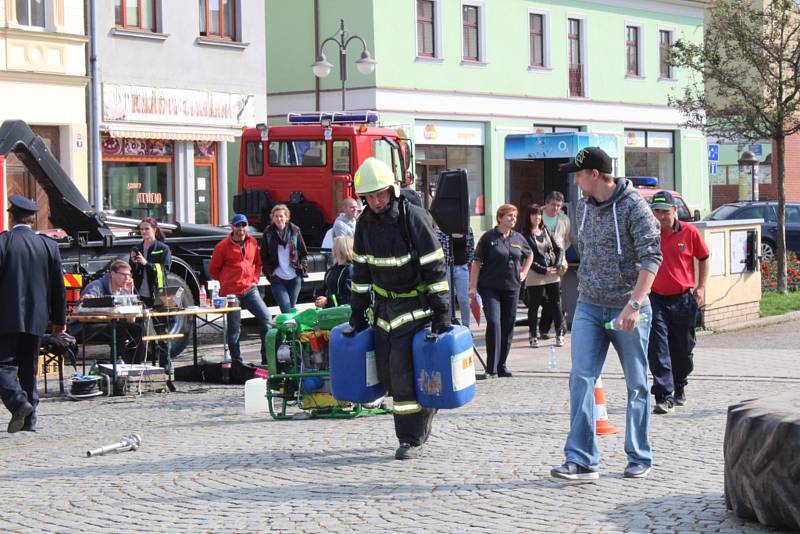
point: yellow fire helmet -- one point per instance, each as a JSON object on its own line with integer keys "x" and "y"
{"x": 374, "y": 175}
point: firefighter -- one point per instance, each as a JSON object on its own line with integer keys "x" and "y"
{"x": 398, "y": 271}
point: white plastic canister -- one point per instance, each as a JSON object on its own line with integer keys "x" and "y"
{"x": 255, "y": 396}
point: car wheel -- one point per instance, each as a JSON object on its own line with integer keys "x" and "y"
{"x": 767, "y": 251}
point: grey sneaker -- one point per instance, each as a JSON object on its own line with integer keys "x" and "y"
{"x": 407, "y": 451}
{"x": 573, "y": 471}
{"x": 680, "y": 397}
{"x": 667, "y": 406}
{"x": 633, "y": 470}
{"x": 559, "y": 341}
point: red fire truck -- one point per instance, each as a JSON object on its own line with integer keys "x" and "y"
{"x": 309, "y": 165}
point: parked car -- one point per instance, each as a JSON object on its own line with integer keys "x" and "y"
{"x": 647, "y": 186}
{"x": 769, "y": 228}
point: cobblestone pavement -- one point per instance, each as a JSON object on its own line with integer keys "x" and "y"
{"x": 204, "y": 466}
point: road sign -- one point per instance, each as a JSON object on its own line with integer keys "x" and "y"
{"x": 712, "y": 167}
{"x": 713, "y": 152}
{"x": 755, "y": 149}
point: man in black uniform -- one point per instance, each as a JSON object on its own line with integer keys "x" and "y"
{"x": 398, "y": 261}
{"x": 32, "y": 287}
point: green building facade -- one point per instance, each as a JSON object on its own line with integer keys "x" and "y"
{"x": 458, "y": 76}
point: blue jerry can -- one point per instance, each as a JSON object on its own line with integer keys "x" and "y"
{"x": 443, "y": 369}
{"x": 354, "y": 374}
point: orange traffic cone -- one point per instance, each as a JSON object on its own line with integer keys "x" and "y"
{"x": 602, "y": 425}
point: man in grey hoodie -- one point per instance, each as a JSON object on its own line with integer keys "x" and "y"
{"x": 618, "y": 240}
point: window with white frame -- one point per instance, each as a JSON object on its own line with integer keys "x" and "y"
{"x": 633, "y": 48}
{"x": 426, "y": 28}
{"x": 536, "y": 24}
{"x": 471, "y": 19}
{"x": 218, "y": 19}
{"x": 575, "y": 29}
{"x": 31, "y": 13}
{"x": 665, "y": 42}
{"x": 135, "y": 14}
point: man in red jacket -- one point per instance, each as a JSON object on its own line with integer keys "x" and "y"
{"x": 236, "y": 264}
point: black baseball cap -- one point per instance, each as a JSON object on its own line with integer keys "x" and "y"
{"x": 22, "y": 204}
{"x": 663, "y": 200}
{"x": 591, "y": 157}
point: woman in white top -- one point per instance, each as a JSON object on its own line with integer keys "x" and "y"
{"x": 285, "y": 258}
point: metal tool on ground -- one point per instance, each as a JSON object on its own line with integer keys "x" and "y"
{"x": 603, "y": 426}
{"x": 129, "y": 443}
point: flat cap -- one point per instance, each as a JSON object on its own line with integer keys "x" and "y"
{"x": 22, "y": 203}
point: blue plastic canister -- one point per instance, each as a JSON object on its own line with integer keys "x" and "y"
{"x": 443, "y": 369}
{"x": 354, "y": 375}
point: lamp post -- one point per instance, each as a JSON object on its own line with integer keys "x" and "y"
{"x": 749, "y": 161}
{"x": 365, "y": 64}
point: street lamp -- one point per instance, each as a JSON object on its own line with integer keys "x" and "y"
{"x": 322, "y": 67}
{"x": 749, "y": 161}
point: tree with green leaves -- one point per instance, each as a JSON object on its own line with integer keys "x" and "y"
{"x": 745, "y": 82}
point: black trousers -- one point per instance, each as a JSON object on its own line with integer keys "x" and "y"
{"x": 395, "y": 365}
{"x": 546, "y": 320}
{"x": 672, "y": 339}
{"x": 500, "y": 309}
{"x": 549, "y": 298}
{"x": 19, "y": 358}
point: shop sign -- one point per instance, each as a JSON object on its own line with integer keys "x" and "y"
{"x": 635, "y": 139}
{"x": 449, "y": 133}
{"x": 659, "y": 139}
{"x": 176, "y": 106}
{"x": 114, "y": 146}
{"x": 149, "y": 198}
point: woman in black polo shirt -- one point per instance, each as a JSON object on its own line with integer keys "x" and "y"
{"x": 502, "y": 261}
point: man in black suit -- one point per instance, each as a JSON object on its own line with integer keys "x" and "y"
{"x": 32, "y": 289}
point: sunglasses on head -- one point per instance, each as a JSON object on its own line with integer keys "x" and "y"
{"x": 240, "y": 225}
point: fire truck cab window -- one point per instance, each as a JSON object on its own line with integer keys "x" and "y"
{"x": 388, "y": 151}
{"x": 297, "y": 154}
{"x": 255, "y": 158}
{"x": 341, "y": 156}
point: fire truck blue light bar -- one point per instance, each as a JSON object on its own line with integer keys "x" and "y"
{"x": 357, "y": 117}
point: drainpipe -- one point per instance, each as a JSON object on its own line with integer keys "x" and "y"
{"x": 316, "y": 50}
{"x": 95, "y": 155}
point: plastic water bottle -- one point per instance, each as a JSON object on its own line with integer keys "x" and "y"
{"x": 552, "y": 362}
{"x": 203, "y": 297}
{"x": 614, "y": 324}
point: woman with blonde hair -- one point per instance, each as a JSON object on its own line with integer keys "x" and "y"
{"x": 337, "y": 283}
{"x": 284, "y": 257}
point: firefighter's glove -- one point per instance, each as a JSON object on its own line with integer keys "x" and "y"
{"x": 440, "y": 323}
{"x": 357, "y": 323}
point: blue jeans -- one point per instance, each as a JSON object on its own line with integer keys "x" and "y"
{"x": 589, "y": 349}
{"x": 459, "y": 282}
{"x": 252, "y": 302}
{"x": 285, "y": 292}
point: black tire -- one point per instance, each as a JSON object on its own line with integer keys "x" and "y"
{"x": 762, "y": 460}
{"x": 181, "y": 324}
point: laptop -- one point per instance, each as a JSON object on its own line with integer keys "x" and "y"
{"x": 168, "y": 297}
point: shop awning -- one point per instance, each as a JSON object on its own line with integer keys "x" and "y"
{"x": 176, "y": 133}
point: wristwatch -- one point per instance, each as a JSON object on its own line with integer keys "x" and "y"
{"x": 635, "y": 306}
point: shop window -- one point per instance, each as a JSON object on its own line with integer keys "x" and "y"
{"x": 650, "y": 153}
{"x": 138, "y": 178}
{"x": 31, "y": 13}
{"x": 341, "y": 156}
{"x": 254, "y": 153}
{"x": 471, "y": 32}
{"x": 426, "y": 28}
{"x": 218, "y": 19}
{"x": 537, "y": 40}
{"x": 135, "y": 14}
{"x": 297, "y": 154}
{"x": 548, "y": 128}
{"x": 632, "y": 51}
{"x": 431, "y": 160}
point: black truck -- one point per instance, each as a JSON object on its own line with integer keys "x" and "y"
{"x": 89, "y": 244}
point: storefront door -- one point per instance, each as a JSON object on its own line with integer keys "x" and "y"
{"x": 22, "y": 182}
{"x": 428, "y": 178}
{"x": 205, "y": 192}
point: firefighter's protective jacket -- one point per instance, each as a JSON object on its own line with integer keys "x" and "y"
{"x": 396, "y": 256}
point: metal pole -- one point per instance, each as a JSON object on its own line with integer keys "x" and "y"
{"x": 95, "y": 155}
{"x": 343, "y": 74}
